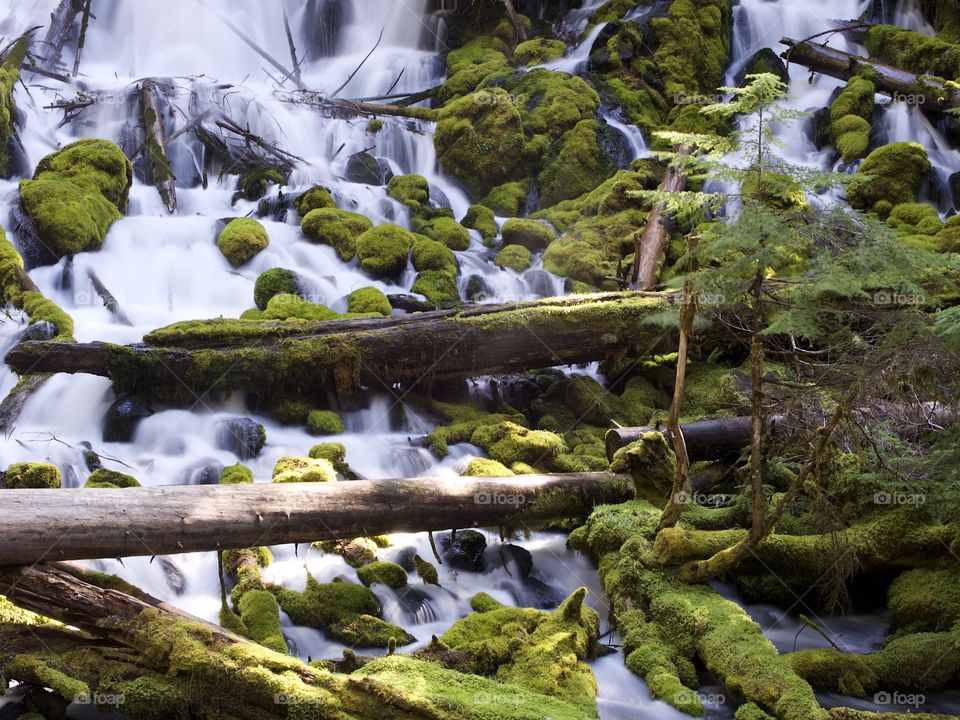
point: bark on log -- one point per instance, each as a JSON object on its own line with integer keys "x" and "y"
{"x": 58, "y": 33}
{"x": 651, "y": 242}
{"x": 930, "y": 93}
{"x": 155, "y": 143}
{"x": 109, "y": 301}
{"x": 705, "y": 439}
{"x": 12, "y": 405}
{"x": 305, "y": 357}
{"x": 46, "y": 525}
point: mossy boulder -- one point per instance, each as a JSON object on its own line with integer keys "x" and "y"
{"x": 481, "y": 219}
{"x": 333, "y": 452}
{"x": 538, "y": 51}
{"x": 469, "y": 65}
{"x": 890, "y": 174}
{"x": 485, "y": 467}
{"x": 272, "y": 282}
{"x": 851, "y": 135}
{"x": 300, "y": 469}
{"x": 32, "y": 475}
{"x": 509, "y": 198}
{"x": 580, "y": 161}
{"x": 384, "y": 250}
{"x": 356, "y": 552}
{"x": 316, "y": 198}
{"x": 915, "y": 219}
{"x": 339, "y": 229}
{"x": 551, "y": 103}
{"x": 385, "y": 573}
{"x": 241, "y": 240}
{"x": 915, "y": 52}
{"x": 294, "y": 307}
{"x": 508, "y": 443}
{"x": 849, "y": 118}
{"x": 651, "y": 462}
{"x": 432, "y": 255}
{"x": 439, "y": 287}
{"x": 479, "y": 140}
{"x": 369, "y": 300}
{"x": 9, "y": 74}
{"x": 75, "y": 195}
{"x": 236, "y": 475}
{"x": 254, "y": 184}
{"x": 426, "y": 570}
{"x": 368, "y": 631}
{"x": 410, "y": 190}
{"x": 531, "y": 234}
{"x": 515, "y": 257}
{"x": 324, "y": 422}
{"x": 925, "y": 600}
{"x": 103, "y": 478}
{"x": 260, "y": 614}
{"x": 693, "y": 46}
{"x": 444, "y": 230}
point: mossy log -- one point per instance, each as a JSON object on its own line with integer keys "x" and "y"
{"x": 219, "y": 356}
{"x": 155, "y": 144}
{"x": 928, "y": 92}
{"x": 705, "y": 439}
{"x": 59, "y": 32}
{"x": 106, "y": 523}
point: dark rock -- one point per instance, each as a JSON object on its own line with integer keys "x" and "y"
{"x": 276, "y": 206}
{"x": 518, "y": 559}
{"x": 463, "y": 551}
{"x": 175, "y": 579}
{"x": 203, "y": 472}
{"x": 404, "y": 558}
{"x": 614, "y": 147}
{"x": 540, "y": 282}
{"x": 90, "y": 458}
{"x": 763, "y": 60}
{"x": 242, "y": 436}
{"x": 322, "y": 20}
{"x": 606, "y": 55}
{"x": 43, "y": 330}
{"x": 410, "y": 303}
{"x": 416, "y": 604}
{"x": 520, "y": 391}
{"x": 478, "y": 289}
{"x": 365, "y": 169}
{"x": 539, "y": 595}
{"x": 123, "y": 416}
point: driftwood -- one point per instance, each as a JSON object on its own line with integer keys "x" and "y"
{"x": 109, "y": 301}
{"x": 47, "y": 525}
{"x": 12, "y": 405}
{"x": 58, "y": 34}
{"x": 155, "y": 144}
{"x": 81, "y": 41}
{"x": 352, "y": 108}
{"x": 651, "y": 242}
{"x": 705, "y": 439}
{"x": 304, "y": 357}
{"x": 929, "y": 93}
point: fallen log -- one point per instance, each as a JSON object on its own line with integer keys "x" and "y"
{"x": 12, "y": 405}
{"x": 46, "y": 525}
{"x": 109, "y": 301}
{"x": 308, "y": 357}
{"x": 155, "y": 145}
{"x": 927, "y": 92}
{"x": 58, "y": 33}
{"x": 651, "y": 242}
{"x": 705, "y": 439}
{"x": 350, "y": 108}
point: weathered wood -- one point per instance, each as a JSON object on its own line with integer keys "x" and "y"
{"x": 705, "y": 439}
{"x": 48, "y": 525}
{"x": 155, "y": 144}
{"x": 929, "y": 93}
{"x": 12, "y": 405}
{"x": 109, "y": 301}
{"x": 651, "y": 242}
{"x": 221, "y": 356}
{"x": 58, "y": 33}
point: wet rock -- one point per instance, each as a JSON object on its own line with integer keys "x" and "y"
{"x": 764, "y": 60}
{"x": 43, "y": 330}
{"x": 463, "y": 551}
{"x": 203, "y": 472}
{"x": 605, "y": 56}
{"x": 521, "y": 391}
{"x": 404, "y": 557}
{"x": 817, "y": 128}
{"x": 539, "y": 595}
{"x": 242, "y": 436}
{"x": 322, "y": 20}
{"x": 174, "y": 577}
{"x": 519, "y": 559}
{"x": 90, "y": 458}
{"x": 416, "y": 604}
{"x": 478, "y": 289}
{"x": 123, "y": 416}
{"x": 540, "y": 282}
{"x": 365, "y": 169}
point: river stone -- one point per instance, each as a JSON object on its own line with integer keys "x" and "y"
{"x": 540, "y": 595}
{"x": 404, "y": 558}
{"x": 43, "y": 330}
{"x": 763, "y": 60}
{"x": 464, "y": 551}
{"x": 478, "y": 289}
{"x": 203, "y": 472}
{"x": 172, "y": 574}
{"x": 365, "y": 169}
{"x": 123, "y": 416}
{"x": 241, "y": 436}
{"x": 520, "y": 558}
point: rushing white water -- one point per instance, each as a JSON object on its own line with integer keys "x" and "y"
{"x": 167, "y": 268}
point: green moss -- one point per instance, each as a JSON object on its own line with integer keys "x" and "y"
{"x": 538, "y": 51}
{"x": 102, "y": 478}
{"x": 339, "y": 229}
{"x": 151, "y": 698}
{"x": 439, "y": 287}
{"x": 508, "y": 443}
{"x": 432, "y": 255}
{"x": 849, "y": 118}
{"x": 915, "y": 219}
{"x": 692, "y": 46}
{"x": 294, "y": 307}
{"x": 369, "y": 631}
{"x": 578, "y": 163}
{"x": 32, "y": 669}
{"x": 241, "y": 240}
{"x": 551, "y": 103}
{"x": 324, "y": 422}
{"x": 479, "y": 140}
{"x": 482, "y": 219}
{"x": 509, "y": 198}
{"x": 778, "y": 190}
{"x": 444, "y": 230}
{"x": 369, "y": 300}
{"x": 926, "y": 600}
{"x": 531, "y": 234}
{"x": 485, "y": 467}
{"x": 356, "y": 552}
{"x": 32, "y": 475}
{"x": 275, "y": 281}
{"x": 469, "y": 65}
{"x": 515, "y": 257}
{"x": 891, "y": 173}
{"x": 333, "y": 451}
{"x": 383, "y": 250}
{"x": 76, "y": 194}
{"x": 426, "y": 570}
{"x": 386, "y": 573}
{"x": 236, "y": 475}
{"x": 374, "y": 126}
{"x": 852, "y": 137}
{"x": 9, "y": 74}
{"x": 300, "y": 469}
{"x": 260, "y": 614}
{"x": 41, "y": 309}
{"x": 253, "y": 185}
{"x": 316, "y": 198}
{"x": 914, "y": 52}
{"x": 411, "y": 190}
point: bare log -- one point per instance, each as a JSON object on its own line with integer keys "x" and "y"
{"x": 58, "y": 33}
{"x": 930, "y": 93}
{"x": 109, "y": 301}
{"x": 651, "y": 242}
{"x": 12, "y": 405}
{"x": 223, "y": 355}
{"x": 46, "y": 525}
{"x": 352, "y": 108}
{"x": 705, "y": 439}
{"x": 155, "y": 145}
{"x": 81, "y": 41}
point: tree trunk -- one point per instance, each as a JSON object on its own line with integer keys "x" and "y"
{"x": 705, "y": 439}
{"x": 109, "y": 301}
{"x": 58, "y": 33}
{"x": 220, "y": 356}
{"x": 515, "y": 19}
{"x": 930, "y": 93}
{"x": 651, "y": 242}
{"x": 155, "y": 145}
{"x": 38, "y": 525}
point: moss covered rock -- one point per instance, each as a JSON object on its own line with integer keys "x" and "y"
{"x": 444, "y": 230}
{"x": 337, "y": 228}
{"x": 650, "y": 461}
{"x": 508, "y": 443}
{"x": 438, "y": 286}
{"x": 316, "y": 198}
{"x": 31, "y": 475}
{"x": 369, "y": 300}
{"x": 481, "y": 219}
{"x": 9, "y": 74}
{"x": 384, "y": 250}
{"x": 426, "y": 570}
{"x": 236, "y": 475}
{"x": 432, "y": 255}
{"x": 102, "y": 478}
{"x": 915, "y": 219}
{"x": 849, "y": 118}
{"x": 75, "y": 195}
{"x": 538, "y": 51}
{"x": 275, "y": 281}
{"x": 914, "y": 52}
{"x": 294, "y": 307}
{"x": 515, "y": 257}
{"x": 531, "y": 234}
{"x": 242, "y": 239}
{"x": 485, "y": 467}
{"x": 580, "y": 161}
{"x": 890, "y": 174}
{"x": 260, "y": 615}
{"x": 411, "y": 190}
{"x": 509, "y": 198}
{"x": 385, "y": 573}
{"x": 324, "y": 422}
{"x": 300, "y": 469}
{"x": 254, "y": 184}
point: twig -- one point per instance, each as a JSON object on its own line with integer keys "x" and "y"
{"x": 357, "y": 69}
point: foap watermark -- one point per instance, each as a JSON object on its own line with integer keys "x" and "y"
{"x": 487, "y": 497}
{"x": 697, "y": 99}
{"x": 699, "y": 498}
{"x": 99, "y": 698}
{"x": 898, "y": 698}
{"x": 485, "y": 97}
{"x": 700, "y": 299}
{"x": 889, "y": 297}
{"x": 282, "y": 698}
{"x": 911, "y": 99}
{"x": 501, "y": 699}
{"x": 690, "y": 697}
{"x": 898, "y": 498}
